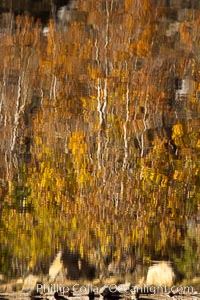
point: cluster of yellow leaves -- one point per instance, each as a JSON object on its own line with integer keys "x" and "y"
{"x": 178, "y": 134}
{"x": 78, "y": 146}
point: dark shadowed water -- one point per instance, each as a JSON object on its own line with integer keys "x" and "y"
{"x": 100, "y": 140}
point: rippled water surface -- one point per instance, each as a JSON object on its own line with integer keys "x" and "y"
{"x": 100, "y": 140}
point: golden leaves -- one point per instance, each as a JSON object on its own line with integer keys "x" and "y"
{"x": 178, "y": 133}
{"x": 78, "y": 147}
{"x": 144, "y": 45}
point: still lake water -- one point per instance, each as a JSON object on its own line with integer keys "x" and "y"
{"x": 100, "y": 140}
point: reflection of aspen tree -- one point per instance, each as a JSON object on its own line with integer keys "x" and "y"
{"x": 4, "y": 113}
{"x": 102, "y": 92}
{"x": 53, "y": 88}
{"x": 22, "y": 93}
{"x": 126, "y": 145}
{"x": 51, "y": 52}
{"x": 144, "y": 122}
{"x": 101, "y": 122}
{"x": 125, "y": 161}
